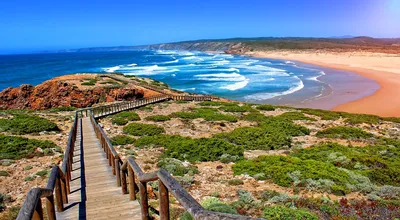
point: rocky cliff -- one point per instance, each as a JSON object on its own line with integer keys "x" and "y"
{"x": 57, "y": 93}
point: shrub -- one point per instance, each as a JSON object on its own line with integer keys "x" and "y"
{"x": 27, "y": 124}
{"x": 28, "y": 167}
{"x": 208, "y": 114}
{"x": 361, "y": 118}
{"x": 344, "y": 132}
{"x": 280, "y": 170}
{"x": 4, "y": 198}
{"x": 323, "y": 114}
{"x": 281, "y": 212}
{"x": 91, "y": 82}
{"x": 122, "y": 140}
{"x": 235, "y": 182}
{"x": 3, "y": 173}
{"x": 29, "y": 178}
{"x": 266, "y": 107}
{"x": 176, "y": 167}
{"x": 272, "y": 133}
{"x": 123, "y": 118}
{"x": 295, "y": 116}
{"x": 245, "y": 196}
{"x": 212, "y": 103}
{"x": 226, "y": 158}
{"x": 237, "y": 108}
{"x": 42, "y": 173}
{"x": 12, "y": 147}
{"x": 214, "y": 204}
{"x": 137, "y": 129}
{"x": 158, "y": 118}
{"x": 63, "y": 109}
{"x": 268, "y": 194}
{"x": 255, "y": 116}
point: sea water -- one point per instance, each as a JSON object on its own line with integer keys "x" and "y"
{"x": 235, "y": 77}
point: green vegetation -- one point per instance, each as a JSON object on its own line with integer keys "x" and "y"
{"x": 90, "y": 82}
{"x": 123, "y": 118}
{"x": 212, "y": 204}
{"x": 184, "y": 148}
{"x": 176, "y": 167}
{"x": 208, "y": 114}
{"x": 266, "y": 107}
{"x": 27, "y": 124}
{"x": 42, "y": 173}
{"x": 158, "y": 118}
{"x": 272, "y": 133}
{"x": 159, "y": 84}
{"x": 4, "y": 199}
{"x": 29, "y": 178}
{"x": 237, "y": 108}
{"x": 122, "y": 140}
{"x": 137, "y": 129}
{"x": 282, "y": 212}
{"x": 212, "y": 103}
{"x": 28, "y": 167}
{"x": 12, "y": 147}
{"x": 323, "y": 114}
{"x": 287, "y": 170}
{"x": 3, "y": 173}
{"x": 295, "y": 116}
{"x": 361, "y": 118}
{"x": 344, "y": 132}
{"x": 63, "y": 109}
{"x": 380, "y": 163}
{"x": 235, "y": 182}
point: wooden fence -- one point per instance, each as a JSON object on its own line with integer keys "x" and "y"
{"x": 57, "y": 188}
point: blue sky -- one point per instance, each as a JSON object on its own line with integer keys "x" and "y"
{"x": 27, "y": 25}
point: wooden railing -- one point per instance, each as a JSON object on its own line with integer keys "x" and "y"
{"x": 57, "y": 186}
{"x": 131, "y": 179}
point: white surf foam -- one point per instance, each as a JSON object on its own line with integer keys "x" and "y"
{"x": 267, "y": 95}
{"x": 172, "y": 61}
{"x": 133, "y": 64}
{"x": 111, "y": 69}
{"x": 236, "y": 86}
{"x": 234, "y": 77}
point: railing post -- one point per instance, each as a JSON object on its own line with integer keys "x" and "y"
{"x": 132, "y": 190}
{"x": 38, "y": 214}
{"x": 113, "y": 164}
{"x": 64, "y": 190}
{"x": 164, "y": 201}
{"x": 117, "y": 171}
{"x": 144, "y": 202}
{"x": 51, "y": 211}
{"x": 123, "y": 182}
{"x": 60, "y": 206}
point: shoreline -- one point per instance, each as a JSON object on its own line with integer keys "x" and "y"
{"x": 381, "y": 102}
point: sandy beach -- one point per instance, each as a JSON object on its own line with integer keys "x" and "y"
{"x": 382, "y": 68}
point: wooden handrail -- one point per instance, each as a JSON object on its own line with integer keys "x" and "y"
{"x": 57, "y": 185}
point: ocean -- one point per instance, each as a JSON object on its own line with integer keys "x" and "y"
{"x": 234, "y": 77}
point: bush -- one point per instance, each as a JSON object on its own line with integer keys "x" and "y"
{"x": 91, "y": 82}
{"x": 123, "y": 118}
{"x": 323, "y": 114}
{"x": 208, "y": 114}
{"x": 27, "y": 124}
{"x": 237, "y": 108}
{"x": 29, "y": 178}
{"x": 12, "y": 147}
{"x": 137, "y": 129}
{"x": 235, "y": 182}
{"x": 361, "y": 118}
{"x": 272, "y": 133}
{"x": 295, "y": 116}
{"x": 255, "y": 116}
{"x": 215, "y": 205}
{"x": 63, "y": 109}
{"x": 42, "y": 173}
{"x": 344, "y": 132}
{"x": 287, "y": 170}
{"x": 184, "y": 148}
{"x": 28, "y": 167}
{"x": 3, "y": 173}
{"x": 268, "y": 194}
{"x": 176, "y": 167}
{"x": 281, "y": 212}
{"x": 212, "y": 103}
{"x": 4, "y": 198}
{"x": 158, "y": 118}
{"x": 226, "y": 158}
{"x": 266, "y": 107}
{"x": 122, "y": 140}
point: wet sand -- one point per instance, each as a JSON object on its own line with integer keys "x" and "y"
{"x": 384, "y": 69}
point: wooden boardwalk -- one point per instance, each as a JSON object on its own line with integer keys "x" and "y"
{"x": 94, "y": 191}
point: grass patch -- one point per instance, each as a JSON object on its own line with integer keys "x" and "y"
{"x": 344, "y": 132}
{"x": 272, "y": 133}
{"x": 185, "y": 148}
{"x": 323, "y": 114}
{"x": 295, "y": 116}
{"x": 282, "y": 212}
{"x": 208, "y": 114}
{"x": 237, "y": 108}
{"x": 176, "y": 167}
{"x": 158, "y": 118}
{"x": 123, "y": 118}
{"x": 3, "y": 173}
{"x": 212, "y": 103}
{"x": 235, "y": 182}
{"x": 266, "y": 107}
{"x": 63, "y": 109}
{"x": 122, "y": 140}
{"x": 27, "y": 124}
{"x": 137, "y": 129}
{"x": 42, "y": 173}
{"x": 380, "y": 163}
{"x": 361, "y": 118}
{"x": 12, "y": 147}
{"x": 90, "y": 82}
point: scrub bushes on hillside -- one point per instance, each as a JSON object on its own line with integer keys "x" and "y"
{"x": 137, "y": 129}
{"x": 344, "y": 132}
{"x": 27, "y": 124}
{"x": 12, "y": 147}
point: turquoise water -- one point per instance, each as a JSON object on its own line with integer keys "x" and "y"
{"x": 230, "y": 76}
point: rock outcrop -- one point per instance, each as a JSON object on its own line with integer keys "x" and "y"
{"x": 58, "y": 93}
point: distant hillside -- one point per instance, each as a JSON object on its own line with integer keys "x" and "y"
{"x": 240, "y": 45}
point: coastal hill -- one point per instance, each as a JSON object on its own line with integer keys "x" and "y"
{"x": 77, "y": 91}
